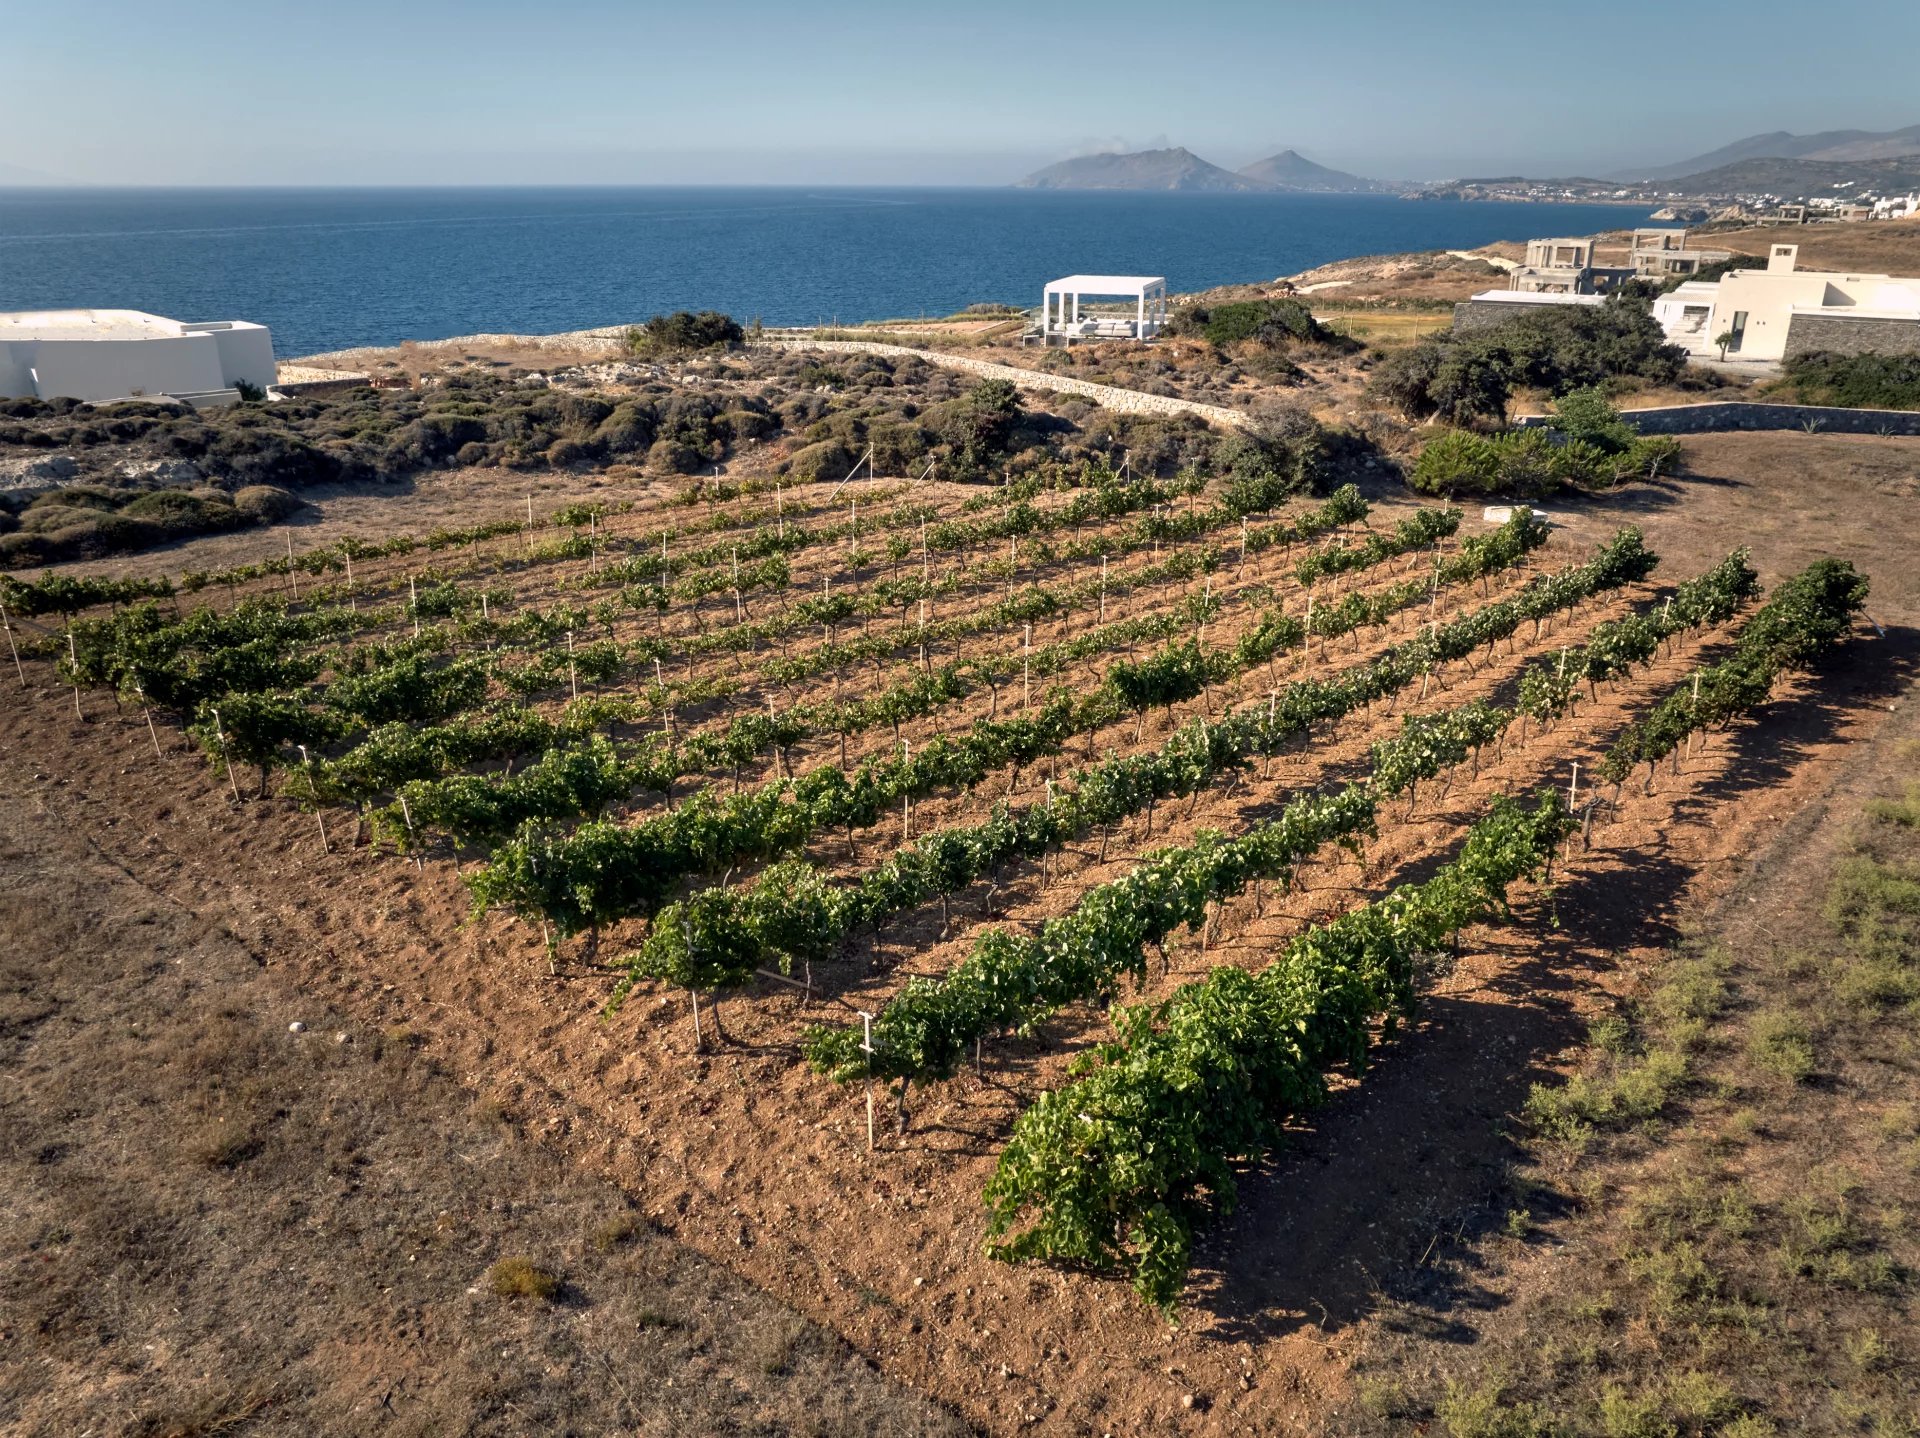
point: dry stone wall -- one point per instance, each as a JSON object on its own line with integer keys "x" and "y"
{"x": 1126, "y": 401}
{"x": 1738, "y": 415}
{"x": 1816, "y": 334}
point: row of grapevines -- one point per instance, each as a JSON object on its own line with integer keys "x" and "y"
{"x": 469, "y": 809}
{"x": 1114, "y": 1169}
{"x": 65, "y": 594}
{"x": 603, "y": 873}
{"x": 371, "y": 769}
{"x": 1010, "y": 981}
{"x": 1805, "y": 616}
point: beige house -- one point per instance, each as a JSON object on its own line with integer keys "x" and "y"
{"x": 1780, "y": 311}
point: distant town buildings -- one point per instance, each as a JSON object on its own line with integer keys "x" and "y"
{"x": 125, "y": 354}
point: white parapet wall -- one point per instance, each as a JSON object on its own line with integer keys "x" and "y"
{"x": 100, "y": 355}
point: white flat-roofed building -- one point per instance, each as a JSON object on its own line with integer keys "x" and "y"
{"x": 125, "y": 354}
{"x": 1767, "y": 315}
{"x": 1062, "y": 323}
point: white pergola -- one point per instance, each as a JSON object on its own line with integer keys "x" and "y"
{"x": 1060, "y": 307}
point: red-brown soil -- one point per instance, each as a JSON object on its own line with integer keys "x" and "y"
{"x": 761, "y": 1165}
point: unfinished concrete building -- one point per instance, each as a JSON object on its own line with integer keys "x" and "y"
{"x": 1663, "y": 254}
{"x": 1565, "y": 267}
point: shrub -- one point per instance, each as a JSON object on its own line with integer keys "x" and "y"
{"x": 1780, "y": 1044}
{"x": 828, "y": 460}
{"x": 1457, "y": 462}
{"x": 1557, "y": 348}
{"x": 264, "y": 503}
{"x": 1871, "y": 381}
{"x": 683, "y": 332}
{"x": 1270, "y": 323}
{"x": 1585, "y": 414}
{"x": 1709, "y": 273}
{"x": 629, "y": 429}
{"x": 180, "y": 511}
{"x": 565, "y": 453}
{"x": 676, "y": 456}
{"x": 518, "y": 1277}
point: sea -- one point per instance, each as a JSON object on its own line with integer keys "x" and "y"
{"x": 328, "y": 269}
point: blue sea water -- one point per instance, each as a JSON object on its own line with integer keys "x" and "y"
{"x": 328, "y": 269}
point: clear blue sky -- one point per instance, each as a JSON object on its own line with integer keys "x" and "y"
{"x": 975, "y": 92}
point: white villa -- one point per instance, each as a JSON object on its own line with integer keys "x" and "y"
{"x": 1773, "y": 313}
{"x": 1767, "y": 314}
{"x": 1061, "y": 322}
{"x": 124, "y": 354}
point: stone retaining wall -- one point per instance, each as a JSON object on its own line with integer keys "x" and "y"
{"x": 1830, "y": 334}
{"x": 1739, "y": 415}
{"x": 1127, "y": 401}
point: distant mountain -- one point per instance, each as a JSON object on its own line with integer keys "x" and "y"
{"x": 1290, "y": 170}
{"x": 1837, "y": 145}
{"x": 1175, "y": 169}
{"x": 21, "y": 175}
{"x": 1795, "y": 178}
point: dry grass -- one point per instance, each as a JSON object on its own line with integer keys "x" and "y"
{"x": 1730, "y": 1173}
{"x": 215, "y": 1226}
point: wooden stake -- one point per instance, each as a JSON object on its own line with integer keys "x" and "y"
{"x": 73, "y": 665}
{"x": 313, "y": 792}
{"x": 147, "y": 714}
{"x": 7, "y": 624}
{"x": 866, "y": 1047}
{"x": 292, "y": 583}
{"x": 221, "y": 734}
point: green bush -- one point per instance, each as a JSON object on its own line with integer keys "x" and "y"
{"x": 1529, "y": 464}
{"x": 265, "y": 503}
{"x": 1586, "y": 414}
{"x": 1707, "y": 274}
{"x": 1871, "y": 381}
{"x": 1458, "y": 462}
{"x": 828, "y": 460}
{"x": 1558, "y": 348}
{"x": 683, "y": 332}
{"x": 1270, "y": 323}
{"x": 181, "y": 511}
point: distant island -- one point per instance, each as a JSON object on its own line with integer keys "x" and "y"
{"x": 1179, "y": 169}
{"x": 1175, "y": 169}
{"x": 1753, "y": 173}
{"x": 1291, "y": 170}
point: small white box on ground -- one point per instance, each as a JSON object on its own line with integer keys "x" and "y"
{"x": 1501, "y": 513}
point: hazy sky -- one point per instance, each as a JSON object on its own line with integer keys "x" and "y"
{"x": 963, "y": 92}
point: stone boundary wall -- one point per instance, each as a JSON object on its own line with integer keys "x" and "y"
{"x": 320, "y": 382}
{"x": 1739, "y": 415}
{"x": 605, "y": 340}
{"x": 1126, "y": 401}
{"x": 1809, "y": 334}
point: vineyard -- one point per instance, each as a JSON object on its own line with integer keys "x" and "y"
{"x": 896, "y": 874}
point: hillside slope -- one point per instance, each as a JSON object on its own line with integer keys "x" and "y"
{"x": 1838, "y": 145}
